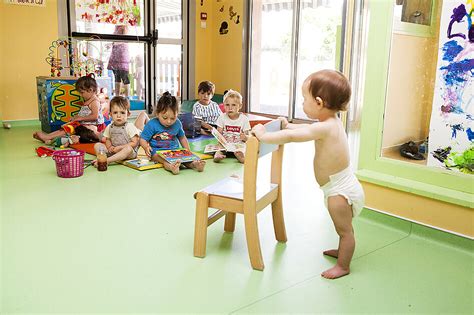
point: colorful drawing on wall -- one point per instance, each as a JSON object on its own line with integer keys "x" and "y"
{"x": 224, "y": 29}
{"x": 109, "y": 11}
{"x": 451, "y": 140}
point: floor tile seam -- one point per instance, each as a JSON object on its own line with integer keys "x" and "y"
{"x": 389, "y": 244}
{"x": 314, "y": 276}
{"x": 274, "y": 293}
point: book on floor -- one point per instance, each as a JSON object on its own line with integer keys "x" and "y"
{"x": 141, "y": 164}
{"x": 182, "y": 155}
{"x": 223, "y": 144}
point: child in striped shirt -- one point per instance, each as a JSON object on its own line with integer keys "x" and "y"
{"x": 206, "y": 109}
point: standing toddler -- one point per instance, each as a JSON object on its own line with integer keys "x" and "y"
{"x": 325, "y": 93}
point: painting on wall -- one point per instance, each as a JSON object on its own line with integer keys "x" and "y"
{"x": 451, "y": 128}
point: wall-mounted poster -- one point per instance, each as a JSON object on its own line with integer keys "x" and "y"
{"x": 451, "y": 128}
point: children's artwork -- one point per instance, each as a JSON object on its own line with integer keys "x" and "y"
{"x": 223, "y": 144}
{"x": 109, "y": 11}
{"x": 182, "y": 155}
{"x": 451, "y": 130}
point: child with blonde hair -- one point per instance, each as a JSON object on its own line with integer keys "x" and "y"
{"x": 232, "y": 124}
{"x": 121, "y": 137}
{"x": 165, "y": 132}
{"x": 90, "y": 115}
{"x": 325, "y": 93}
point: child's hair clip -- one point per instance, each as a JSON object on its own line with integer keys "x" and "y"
{"x": 91, "y": 75}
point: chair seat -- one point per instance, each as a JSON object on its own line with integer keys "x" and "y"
{"x": 232, "y": 187}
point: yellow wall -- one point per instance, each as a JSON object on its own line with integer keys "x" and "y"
{"x": 25, "y": 35}
{"x": 446, "y": 216}
{"x": 27, "y": 32}
{"x": 219, "y": 57}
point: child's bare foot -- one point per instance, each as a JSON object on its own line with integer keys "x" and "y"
{"x": 335, "y": 272}
{"x": 331, "y": 252}
{"x": 173, "y": 168}
{"x": 240, "y": 156}
{"x": 36, "y": 135}
{"x": 218, "y": 156}
{"x": 198, "y": 165}
{"x": 48, "y": 142}
{"x": 94, "y": 163}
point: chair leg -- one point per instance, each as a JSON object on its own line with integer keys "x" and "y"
{"x": 229, "y": 224}
{"x": 253, "y": 241}
{"x": 200, "y": 225}
{"x": 278, "y": 220}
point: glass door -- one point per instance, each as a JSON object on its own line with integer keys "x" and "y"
{"x": 170, "y": 47}
{"x": 134, "y": 46}
{"x": 290, "y": 40}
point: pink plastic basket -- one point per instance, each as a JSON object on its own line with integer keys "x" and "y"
{"x": 69, "y": 163}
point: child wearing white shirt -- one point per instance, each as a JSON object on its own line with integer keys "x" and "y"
{"x": 232, "y": 124}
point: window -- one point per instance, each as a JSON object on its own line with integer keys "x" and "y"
{"x": 281, "y": 30}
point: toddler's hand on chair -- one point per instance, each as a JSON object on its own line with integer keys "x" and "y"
{"x": 258, "y": 130}
{"x": 284, "y": 122}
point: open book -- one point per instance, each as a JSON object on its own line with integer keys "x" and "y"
{"x": 180, "y": 154}
{"x": 223, "y": 144}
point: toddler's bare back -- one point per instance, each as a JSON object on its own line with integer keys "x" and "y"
{"x": 331, "y": 152}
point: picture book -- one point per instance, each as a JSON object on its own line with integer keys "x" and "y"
{"x": 182, "y": 155}
{"x": 223, "y": 144}
{"x": 141, "y": 164}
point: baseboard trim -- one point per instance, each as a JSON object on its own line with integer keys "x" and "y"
{"x": 420, "y": 223}
{"x": 22, "y": 122}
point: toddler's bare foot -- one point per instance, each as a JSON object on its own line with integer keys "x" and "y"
{"x": 335, "y": 272}
{"x": 173, "y": 168}
{"x": 240, "y": 156}
{"x": 36, "y": 136}
{"x": 48, "y": 142}
{"x": 198, "y": 165}
{"x": 41, "y": 136}
{"x": 331, "y": 252}
{"x": 218, "y": 157}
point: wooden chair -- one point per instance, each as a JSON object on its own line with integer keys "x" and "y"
{"x": 232, "y": 195}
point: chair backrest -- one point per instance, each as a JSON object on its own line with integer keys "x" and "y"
{"x": 256, "y": 149}
{"x": 266, "y": 148}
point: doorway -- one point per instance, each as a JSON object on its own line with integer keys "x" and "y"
{"x": 138, "y": 45}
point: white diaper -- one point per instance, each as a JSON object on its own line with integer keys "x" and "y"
{"x": 345, "y": 183}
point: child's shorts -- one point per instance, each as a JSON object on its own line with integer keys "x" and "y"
{"x": 345, "y": 183}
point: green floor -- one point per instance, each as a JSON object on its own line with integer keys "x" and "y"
{"x": 121, "y": 242}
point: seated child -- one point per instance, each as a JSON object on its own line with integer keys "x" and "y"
{"x": 206, "y": 109}
{"x": 165, "y": 132}
{"x": 232, "y": 124}
{"x": 90, "y": 114}
{"x": 121, "y": 137}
